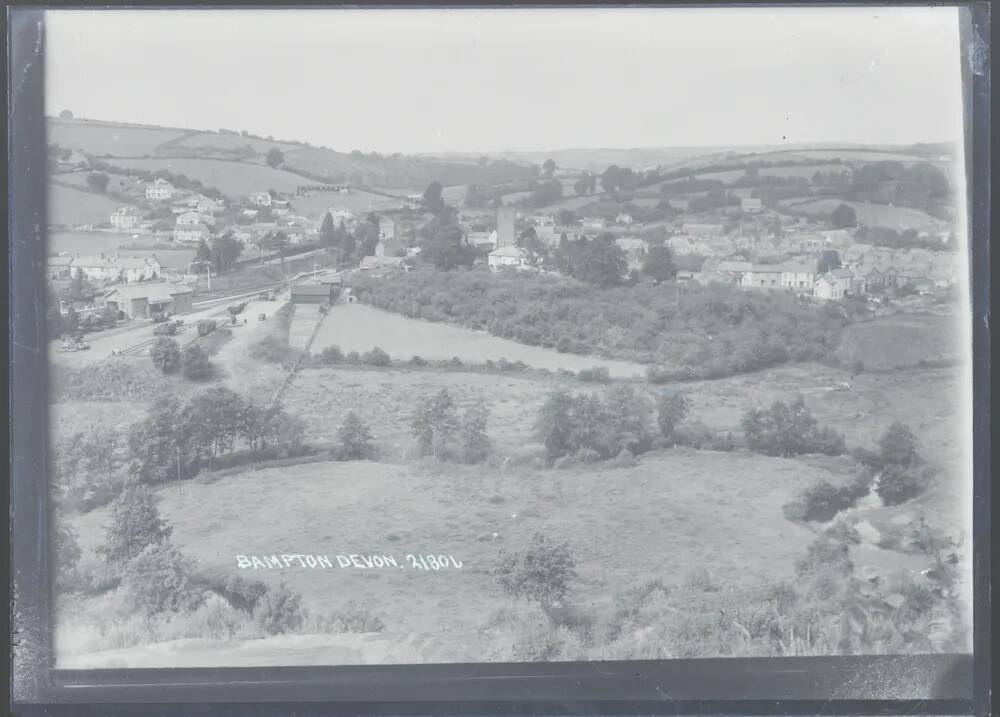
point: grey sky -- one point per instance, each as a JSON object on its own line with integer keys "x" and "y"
{"x": 485, "y": 80}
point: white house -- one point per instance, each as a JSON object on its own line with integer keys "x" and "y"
{"x": 126, "y": 219}
{"x": 751, "y": 205}
{"x": 245, "y": 234}
{"x": 593, "y": 223}
{"x": 159, "y": 190}
{"x": 111, "y": 268}
{"x": 833, "y": 285}
{"x": 799, "y": 277}
{"x": 260, "y": 199}
{"x": 507, "y": 256}
{"x": 191, "y": 233}
{"x": 386, "y": 229}
{"x": 189, "y": 219}
{"x": 624, "y": 218}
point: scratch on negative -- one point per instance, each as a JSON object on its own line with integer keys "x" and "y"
{"x": 33, "y": 349}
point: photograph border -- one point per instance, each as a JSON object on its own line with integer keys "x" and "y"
{"x": 718, "y": 685}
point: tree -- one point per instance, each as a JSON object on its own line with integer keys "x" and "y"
{"x": 203, "y": 254}
{"x": 671, "y": 408}
{"x": 659, "y": 263}
{"x": 66, "y": 114}
{"x": 435, "y": 425}
{"x": 280, "y": 241}
{"x": 549, "y": 167}
{"x": 195, "y": 363}
{"x": 275, "y": 157}
{"x": 165, "y": 354}
{"x": 443, "y": 244}
{"x": 828, "y": 261}
{"x": 135, "y": 525}
{"x": 597, "y": 261}
{"x": 541, "y": 573}
{"x": 98, "y": 181}
{"x": 898, "y": 446}
{"x": 843, "y": 217}
{"x": 224, "y": 251}
{"x": 355, "y": 439}
{"x": 328, "y": 233}
{"x": 565, "y": 217}
{"x": 157, "y": 581}
{"x": 432, "y": 197}
{"x": 543, "y": 193}
{"x": 789, "y": 430}
{"x": 475, "y": 443}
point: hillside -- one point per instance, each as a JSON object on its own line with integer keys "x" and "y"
{"x": 234, "y": 179}
{"x": 71, "y": 207}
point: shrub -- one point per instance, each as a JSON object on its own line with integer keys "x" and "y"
{"x": 541, "y": 573}
{"x": 353, "y": 357}
{"x": 607, "y": 423}
{"x": 475, "y": 443}
{"x": 418, "y": 361}
{"x": 822, "y": 500}
{"x": 242, "y": 593}
{"x": 898, "y": 446}
{"x": 67, "y": 553}
{"x": 435, "y": 426}
{"x": 671, "y": 408}
{"x": 165, "y": 354}
{"x": 355, "y": 616}
{"x": 156, "y": 581}
{"x": 195, "y": 364}
{"x": 789, "y": 430}
{"x": 355, "y": 439}
{"x": 898, "y": 484}
{"x": 598, "y": 374}
{"x": 278, "y": 611}
{"x": 376, "y": 357}
{"x": 135, "y": 525}
{"x": 700, "y": 580}
{"x": 825, "y": 553}
{"x": 331, "y": 355}
{"x": 270, "y": 349}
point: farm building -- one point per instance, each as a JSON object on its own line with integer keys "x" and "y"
{"x": 507, "y": 256}
{"x": 141, "y": 301}
{"x": 160, "y": 189}
{"x": 126, "y": 218}
{"x": 313, "y": 294}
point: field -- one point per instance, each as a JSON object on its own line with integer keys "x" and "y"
{"x": 234, "y": 179}
{"x": 356, "y": 327}
{"x": 109, "y": 242}
{"x": 69, "y": 207}
{"x": 117, "y": 183}
{"x": 206, "y": 141}
{"x": 663, "y": 517}
{"x": 359, "y": 202}
{"x": 107, "y": 139}
{"x": 901, "y": 340}
{"x": 876, "y": 215}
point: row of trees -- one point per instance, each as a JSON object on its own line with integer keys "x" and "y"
{"x": 168, "y": 358}
{"x": 441, "y": 432}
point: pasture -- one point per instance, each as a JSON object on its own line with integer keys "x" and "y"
{"x": 108, "y": 139}
{"x": 110, "y": 242}
{"x": 316, "y": 204}
{"x": 68, "y": 207}
{"x": 874, "y": 215}
{"x": 207, "y": 141}
{"x": 357, "y": 327}
{"x": 234, "y": 179}
{"x": 117, "y": 183}
{"x": 902, "y": 340}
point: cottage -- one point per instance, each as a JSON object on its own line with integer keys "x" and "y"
{"x": 726, "y": 271}
{"x": 483, "y": 239}
{"x": 833, "y": 285}
{"x": 260, "y": 199}
{"x": 189, "y": 219}
{"x": 313, "y": 294}
{"x": 142, "y": 301}
{"x": 799, "y": 277}
{"x": 126, "y": 219}
{"x": 191, "y": 233}
{"x": 681, "y": 244}
{"x": 111, "y": 268}
{"x": 751, "y": 205}
{"x": 160, "y": 190}
{"x": 762, "y": 276}
{"x": 386, "y": 229}
{"x": 507, "y": 256}
{"x": 345, "y": 217}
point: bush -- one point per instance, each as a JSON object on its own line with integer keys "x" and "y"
{"x": 355, "y": 439}
{"x": 376, "y": 357}
{"x": 822, "y": 500}
{"x": 418, "y": 361}
{"x": 279, "y": 611}
{"x": 607, "y": 423}
{"x": 825, "y": 553}
{"x": 671, "y": 408}
{"x": 598, "y": 374}
{"x": 165, "y": 354}
{"x": 243, "y": 594}
{"x": 195, "y": 364}
{"x": 789, "y": 430}
{"x": 156, "y": 581}
{"x": 541, "y": 573}
{"x": 331, "y": 355}
{"x": 435, "y": 427}
{"x": 66, "y": 552}
{"x": 354, "y": 617}
{"x": 135, "y": 525}
{"x": 898, "y": 484}
{"x": 475, "y": 443}
{"x": 270, "y": 349}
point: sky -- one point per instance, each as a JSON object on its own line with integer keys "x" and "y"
{"x": 488, "y": 80}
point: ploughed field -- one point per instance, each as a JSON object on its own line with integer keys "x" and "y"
{"x": 357, "y": 327}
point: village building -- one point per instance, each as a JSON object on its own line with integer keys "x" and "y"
{"x": 725, "y": 271}
{"x": 390, "y": 247}
{"x": 261, "y": 199}
{"x": 506, "y": 220}
{"x": 345, "y": 217}
{"x": 191, "y": 233}
{"x": 833, "y": 285}
{"x": 680, "y": 244}
{"x": 762, "y": 276}
{"x": 751, "y": 205}
{"x": 386, "y": 229}
{"x": 624, "y": 218}
{"x": 507, "y": 256}
{"x": 190, "y": 219}
{"x": 635, "y": 250}
{"x": 245, "y": 234}
{"x": 126, "y": 219}
{"x": 142, "y": 301}
{"x": 160, "y": 190}
{"x": 703, "y": 229}
{"x": 543, "y": 220}
{"x": 483, "y": 239}
{"x": 58, "y": 267}
{"x": 799, "y": 277}
{"x": 104, "y": 268}
{"x": 593, "y": 223}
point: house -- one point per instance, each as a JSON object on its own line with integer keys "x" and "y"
{"x": 543, "y": 220}
{"x": 386, "y": 229}
{"x": 138, "y": 268}
{"x": 281, "y": 204}
{"x": 247, "y": 235}
{"x": 260, "y": 199}
{"x": 874, "y": 279}
{"x": 507, "y": 256}
{"x": 593, "y": 223}
{"x": 191, "y": 233}
{"x": 751, "y": 205}
{"x": 142, "y": 301}
{"x": 762, "y": 276}
{"x": 111, "y": 268}
{"x": 313, "y": 294}
{"x": 250, "y": 213}
{"x": 58, "y": 267}
{"x": 685, "y": 277}
{"x": 189, "y": 219}
{"x": 482, "y": 239}
{"x": 126, "y": 219}
{"x": 345, "y": 217}
{"x": 206, "y": 205}
{"x": 726, "y": 271}
{"x": 799, "y": 277}
{"x": 833, "y": 285}
{"x": 681, "y": 244}
{"x": 159, "y": 190}
{"x": 634, "y": 250}
{"x": 624, "y": 218}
